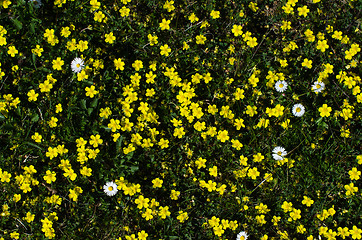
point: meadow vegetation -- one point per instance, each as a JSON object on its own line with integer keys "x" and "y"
{"x": 180, "y": 119}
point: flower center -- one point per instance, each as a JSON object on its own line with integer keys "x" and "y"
{"x": 318, "y": 86}
{"x": 298, "y": 109}
{"x": 279, "y": 153}
{"x": 281, "y": 85}
{"x": 78, "y": 65}
{"x": 110, "y": 188}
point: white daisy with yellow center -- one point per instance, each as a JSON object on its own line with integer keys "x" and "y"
{"x": 279, "y": 153}
{"x": 318, "y": 87}
{"x": 298, "y": 110}
{"x": 242, "y": 236}
{"x": 77, "y": 65}
{"x": 281, "y": 86}
{"x": 110, "y": 188}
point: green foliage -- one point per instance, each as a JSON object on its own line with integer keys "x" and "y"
{"x": 195, "y": 120}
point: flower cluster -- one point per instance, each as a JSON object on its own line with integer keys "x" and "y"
{"x": 178, "y": 120}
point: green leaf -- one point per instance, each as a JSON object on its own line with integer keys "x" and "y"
{"x": 94, "y": 103}
{"x": 119, "y": 143}
{"x": 17, "y": 24}
{"x": 33, "y": 58}
{"x": 133, "y": 169}
{"x": 33, "y": 145}
{"x": 129, "y": 155}
{"x": 83, "y": 104}
{"x": 90, "y": 110}
{"x": 2, "y": 117}
{"x": 32, "y": 27}
{"x": 35, "y": 118}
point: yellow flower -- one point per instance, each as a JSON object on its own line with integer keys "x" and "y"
{"x": 213, "y": 171}
{"x": 95, "y": 140}
{"x": 53, "y": 122}
{"x": 258, "y": 157}
{"x": 49, "y": 176}
{"x": 215, "y": 14}
{"x": 252, "y": 42}
{"x": 98, "y": 16}
{"x": 68, "y": 172}
{"x": 82, "y": 45}
{"x": 223, "y": 135}
{"x": 37, "y": 50}
{"x": 164, "y": 25}
{"x": 58, "y": 108}
{"x": 72, "y": 45}
{"x": 237, "y": 30}
{"x": 322, "y": 45}
{"x": 85, "y": 171}
{"x": 303, "y": 11}
{"x": 351, "y": 189}
{"x": 307, "y": 201}
{"x": 163, "y": 143}
{"x": 182, "y": 216}
{"x": 354, "y": 174}
{"x": 124, "y": 11}
{"x": 65, "y": 32}
{"x": 142, "y": 202}
{"x": 152, "y": 39}
{"x": 33, "y": 96}
{"x": 157, "y": 183}
{"x": 253, "y": 173}
{"x": 355, "y": 232}
{"x": 12, "y": 51}
{"x": 251, "y": 110}
{"x": 169, "y": 6}
{"x": 14, "y": 235}
{"x": 58, "y": 63}
{"x": 200, "y": 39}
{"x": 114, "y": 125}
{"x": 307, "y": 63}
{"x": 174, "y": 194}
{"x": 165, "y": 50}
{"x": 325, "y": 111}
{"x": 119, "y": 64}
{"x": 179, "y": 132}
{"x": 137, "y": 65}
{"x": 29, "y": 217}
{"x": 91, "y": 91}
{"x": 193, "y": 18}
{"x": 294, "y": 214}
{"x": 110, "y": 38}
{"x": 163, "y": 212}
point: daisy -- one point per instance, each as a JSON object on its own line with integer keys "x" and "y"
{"x": 279, "y": 153}
{"x": 77, "y": 65}
{"x": 318, "y": 87}
{"x": 242, "y": 236}
{"x": 281, "y": 86}
{"x": 110, "y": 188}
{"x": 298, "y": 110}
{"x": 36, "y": 3}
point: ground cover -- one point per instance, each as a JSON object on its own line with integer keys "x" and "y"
{"x": 133, "y": 119}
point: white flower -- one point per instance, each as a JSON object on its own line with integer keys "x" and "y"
{"x": 318, "y": 87}
{"x": 36, "y": 3}
{"x": 110, "y": 188}
{"x": 298, "y": 110}
{"x": 281, "y": 86}
{"x": 77, "y": 65}
{"x": 279, "y": 153}
{"x": 242, "y": 236}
